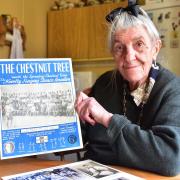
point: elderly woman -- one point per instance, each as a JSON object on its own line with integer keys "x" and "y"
{"x": 132, "y": 114}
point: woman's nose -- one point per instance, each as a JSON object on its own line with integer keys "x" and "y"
{"x": 130, "y": 54}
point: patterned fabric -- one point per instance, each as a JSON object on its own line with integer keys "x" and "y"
{"x": 138, "y": 94}
{"x": 141, "y": 94}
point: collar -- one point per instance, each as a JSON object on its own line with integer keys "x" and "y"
{"x": 142, "y": 93}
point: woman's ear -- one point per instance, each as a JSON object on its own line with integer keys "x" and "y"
{"x": 156, "y": 48}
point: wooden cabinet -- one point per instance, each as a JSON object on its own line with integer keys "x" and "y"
{"x": 79, "y": 33}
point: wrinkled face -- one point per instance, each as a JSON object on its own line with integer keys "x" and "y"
{"x": 134, "y": 51}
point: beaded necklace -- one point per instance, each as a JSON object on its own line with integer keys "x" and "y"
{"x": 148, "y": 88}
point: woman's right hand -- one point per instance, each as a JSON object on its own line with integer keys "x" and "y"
{"x": 91, "y": 111}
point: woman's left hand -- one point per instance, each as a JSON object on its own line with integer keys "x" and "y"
{"x": 91, "y": 111}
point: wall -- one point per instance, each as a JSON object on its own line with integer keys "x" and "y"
{"x": 35, "y": 21}
{"x": 33, "y": 15}
{"x": 164, "y": 14}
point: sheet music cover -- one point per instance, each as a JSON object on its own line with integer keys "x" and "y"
{"x": 83, "y": 170}
{"x": 37, "y": 107}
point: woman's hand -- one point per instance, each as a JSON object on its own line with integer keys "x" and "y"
{"x": 87, "y": 91}
{"x": 91, "y": 111}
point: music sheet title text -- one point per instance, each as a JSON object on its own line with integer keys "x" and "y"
{"x": 31, "y": 68}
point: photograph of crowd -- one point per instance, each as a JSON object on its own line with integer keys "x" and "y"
{"x": 35, "y": 101}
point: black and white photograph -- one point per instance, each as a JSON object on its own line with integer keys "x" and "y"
{"x": 36, "y": 104}
{"x": 96, "y": 170}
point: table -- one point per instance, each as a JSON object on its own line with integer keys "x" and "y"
{"x": 19, "y": 165}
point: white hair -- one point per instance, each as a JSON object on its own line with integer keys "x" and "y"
{"x": 125, "y": 20}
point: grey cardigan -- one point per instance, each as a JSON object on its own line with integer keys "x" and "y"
{"x": 153, "y": 146}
